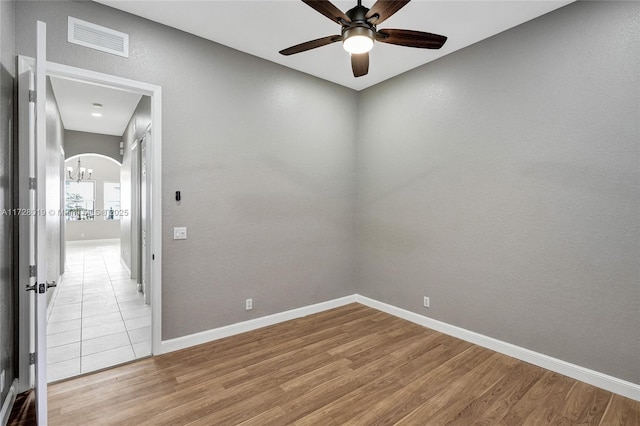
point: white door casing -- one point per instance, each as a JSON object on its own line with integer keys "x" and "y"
{"x": 32, "y": 138}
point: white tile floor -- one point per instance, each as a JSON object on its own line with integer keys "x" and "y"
{"x": 98, "y": 318}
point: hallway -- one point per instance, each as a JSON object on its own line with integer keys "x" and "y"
{"x": 97, "y": 318}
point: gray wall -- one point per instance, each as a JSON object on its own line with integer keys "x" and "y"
{"x": 8, "y": 357}
{"x": 82, "y": 142}
{"x": 55, "y": 175}
{"x": 263, "y": 155}
{"x": 104, "y": 170}
{"x": 502, "y": 181}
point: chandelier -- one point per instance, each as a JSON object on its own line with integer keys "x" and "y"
{"x": 80, "y": 173}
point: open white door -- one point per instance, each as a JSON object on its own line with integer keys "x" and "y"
{"x": 40, "y": 241}
{"x": 32, "y": 222}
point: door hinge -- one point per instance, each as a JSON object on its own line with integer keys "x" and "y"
{"x": 32, "y": 358}
{"x": 33, "y": 270}
{"x": 33, "y": 183}
{"x": 32, "y": 96}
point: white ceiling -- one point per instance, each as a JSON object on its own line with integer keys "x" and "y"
{"x": 75, "y": 102}
{"x": 264, "y": 27}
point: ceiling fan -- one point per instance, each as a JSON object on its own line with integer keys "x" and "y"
{"x": 359, "y": 31}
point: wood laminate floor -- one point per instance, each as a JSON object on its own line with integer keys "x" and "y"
{"x": 348, "y": 366}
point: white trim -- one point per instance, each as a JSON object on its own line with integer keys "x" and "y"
{"x": 100, "y": 79}
{"x": 155, "y": 220}
{"x": 242, "y": 327}
{"x": 155, "y": 166}
{"x": 8, "y": 404}
{"x": 91, "y": 154}
{"x": 595, "y": 378}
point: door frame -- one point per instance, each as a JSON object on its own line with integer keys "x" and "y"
{"x": 154, "y": 160}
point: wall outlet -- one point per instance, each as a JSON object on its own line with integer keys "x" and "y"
{"x": 426, "y": 302}
{"x": 248, "y": 304}
{"x": 2, "y": 381}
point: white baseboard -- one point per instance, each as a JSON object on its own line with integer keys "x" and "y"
{"x": 595, "y": 378}
{"x": 8, "y": 404}
{"x": 242, "y": 327}
{"x": 124, "y": 264}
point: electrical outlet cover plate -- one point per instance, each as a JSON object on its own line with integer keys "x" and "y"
{"x": 426, "y": 302}
{"x": 180, "y": 233}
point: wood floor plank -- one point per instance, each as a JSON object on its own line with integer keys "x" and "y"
{"x": 622, "y": 411}
{"x": 421, "y": 388}
{"x": 448, "y": 403}
{"x": 351, "y": 365}
{"x": 542, "y": 402}
{"x": 584, "y": 405}
{"x": 495, "y": 403}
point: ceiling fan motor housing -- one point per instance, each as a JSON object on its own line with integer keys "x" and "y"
{"x": 358, "y": 35}
{"x": 359, "y": 24}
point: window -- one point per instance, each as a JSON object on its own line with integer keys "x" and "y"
{"x": 111, "y": 201}
{"x": 80, "y": 199}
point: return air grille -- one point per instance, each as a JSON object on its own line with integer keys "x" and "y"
{"x": 97, "y": 37}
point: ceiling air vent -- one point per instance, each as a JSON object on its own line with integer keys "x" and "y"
{"x": 97, "y": 37}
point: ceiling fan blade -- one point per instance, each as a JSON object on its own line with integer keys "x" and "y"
{"x": 302, "y": 47}
{"x": 360, "y": 64}
{"x": 327, "y": 9}
{"x": 411, "y": 38}
{"x": 384, "y": 9}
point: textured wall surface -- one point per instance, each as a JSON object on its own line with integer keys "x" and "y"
{"x": 503, "y": 182}
{"x": 263, "y": 155}
{"x": 82, "y": 142}
{"x": 8, "y": 357}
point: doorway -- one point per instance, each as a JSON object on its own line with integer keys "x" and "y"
{"x": 100, "y": 312}
{"x": 98, "y": 317}
{"x": 104, "y": 254}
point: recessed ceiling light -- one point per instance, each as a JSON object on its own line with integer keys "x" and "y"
{"x": 96, "y": 114}
{"x": 96, "y": 105}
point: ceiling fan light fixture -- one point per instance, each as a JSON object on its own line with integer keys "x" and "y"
{"x": 357, "y": 40}
{"x": 359, "y": 31}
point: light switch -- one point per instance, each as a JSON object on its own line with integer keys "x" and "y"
{"x": 180, "y": 233}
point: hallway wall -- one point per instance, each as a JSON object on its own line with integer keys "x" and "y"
{"x": 129, "y": 225}
{"x": 83, "y": 142}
